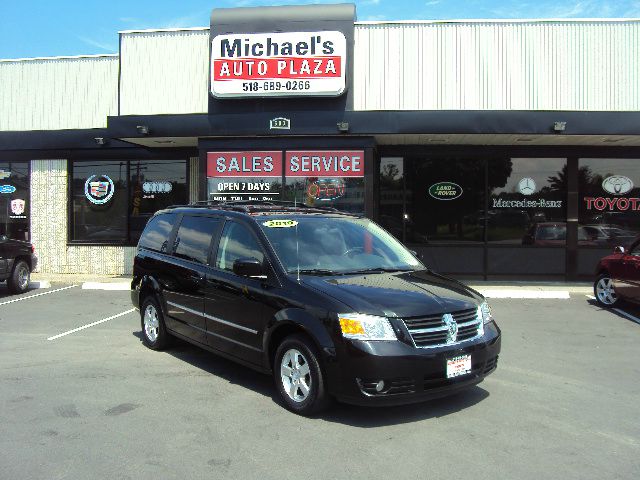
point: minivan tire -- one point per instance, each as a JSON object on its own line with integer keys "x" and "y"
{"x": 299, "y": 376}
{"x": 18, "y": 282}
{"x": 154, "y": 330}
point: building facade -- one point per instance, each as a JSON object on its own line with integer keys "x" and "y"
{"x": 494, "y": 148}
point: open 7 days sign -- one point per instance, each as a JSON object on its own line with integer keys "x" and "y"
{"x": 278, "y": 64}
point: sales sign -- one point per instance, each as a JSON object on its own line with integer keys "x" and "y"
{"x": 278, "y": 64}
{"x": 244, "y": 164}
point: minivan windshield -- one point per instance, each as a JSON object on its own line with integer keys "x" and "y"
{"x": 326, "y": 245}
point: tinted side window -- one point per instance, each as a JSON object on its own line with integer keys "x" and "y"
{"x": 156, "y": 233}
{"x": 194, "y": 237}
{"x": 237, "y": 242}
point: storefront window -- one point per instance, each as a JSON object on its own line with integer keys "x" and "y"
{"x": 445, "y": 200}
{"x": 527, "y": 202}
{"x": 326, "y": 178}
{"x": 14, "y": 200}
{"x": 240, "y": 176}
{"x": 315, "y": 178}
{"x": 392, "y": 213}
{"x": 155, "y": 184}
{"x": 112, "y": 200}
{"x": 609, "y": 195}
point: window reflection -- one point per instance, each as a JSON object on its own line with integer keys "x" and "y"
{"x": 15, "y": 205}
{"x": 527, "y": 202}
{"x": 609, "y": 196}
{"x": 445, "y": 200}
{"x": 346, "y": 194}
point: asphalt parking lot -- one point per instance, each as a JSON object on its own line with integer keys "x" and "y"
{"x": 95, "y": 403}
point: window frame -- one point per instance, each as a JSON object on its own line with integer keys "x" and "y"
{"x": 126, "y": 241}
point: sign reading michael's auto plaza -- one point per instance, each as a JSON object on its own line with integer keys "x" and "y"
{"x": 278, "y": 64}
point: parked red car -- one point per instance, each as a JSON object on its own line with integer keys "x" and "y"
{"x": 618, "y": 276}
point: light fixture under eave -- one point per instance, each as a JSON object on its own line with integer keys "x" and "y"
{"x": 559, "y": 126}
{"x": 100, "y": 140}
{"x": 142, "y": 129}
{"x": 343, "y": 127}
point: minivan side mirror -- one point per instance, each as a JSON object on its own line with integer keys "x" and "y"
{"x": 248, "y": 267}
{"x": 618, "y": 250}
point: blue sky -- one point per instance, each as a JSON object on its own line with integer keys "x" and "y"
{"x": 37, "y": 28}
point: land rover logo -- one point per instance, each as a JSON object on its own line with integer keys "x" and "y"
{"x": 445, "y": 191}
{"x": 280, "y": 123}
{"x": 617, "y": 184}
{"x": 452, "y": 327}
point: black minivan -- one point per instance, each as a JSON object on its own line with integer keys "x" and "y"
{"x": 329, "y": 303}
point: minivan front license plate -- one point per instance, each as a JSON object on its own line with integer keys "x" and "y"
{"x": 457, "y": 366}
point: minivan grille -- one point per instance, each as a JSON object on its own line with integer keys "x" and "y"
{"x": 432, "y": 331}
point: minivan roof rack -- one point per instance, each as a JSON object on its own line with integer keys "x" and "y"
{"x": 253, "y": 206}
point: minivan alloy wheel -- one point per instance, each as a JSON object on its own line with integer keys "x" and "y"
{"x": 295, "y": 375}
{"x": 605, "y": 292}
{"x": 23, "y": 277}
{"x": 151, "y": 323}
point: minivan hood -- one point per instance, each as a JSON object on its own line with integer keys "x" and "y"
{"x": 402, "y": 294}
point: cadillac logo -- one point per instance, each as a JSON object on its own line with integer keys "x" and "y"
{"x": 99, "y": 189}
{"x": 452, "y": 327}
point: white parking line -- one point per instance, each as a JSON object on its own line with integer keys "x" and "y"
{"x": 532, "y": 294}
{"x": 37, "y": 295}
{"x": 627, "y": 315}
{"x": 91, "y": 324}
{"x": 621, "y": 312}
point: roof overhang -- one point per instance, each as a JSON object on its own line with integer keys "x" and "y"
{"x": 460, "y": 127}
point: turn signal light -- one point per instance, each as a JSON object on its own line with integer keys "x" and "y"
{"x": 351, "y": 327}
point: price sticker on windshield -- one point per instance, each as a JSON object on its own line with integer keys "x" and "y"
{"x": 280, "y": 223}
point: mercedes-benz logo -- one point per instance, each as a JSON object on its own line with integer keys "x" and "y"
{"x": 526, "y": 186}
{"x": 452, "y": 327}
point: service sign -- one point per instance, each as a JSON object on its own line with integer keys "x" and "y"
{"x": 285, "y": 64}
{"x": 324, "y": 163}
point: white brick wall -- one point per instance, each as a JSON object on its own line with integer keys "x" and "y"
{"x": 49, "y": 224}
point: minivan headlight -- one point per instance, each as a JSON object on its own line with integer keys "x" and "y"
{"x": 366, "y": 327}
{"x": 484, "y": 312}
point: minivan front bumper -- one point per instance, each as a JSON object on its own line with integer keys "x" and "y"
{"x": 409, "y": 374}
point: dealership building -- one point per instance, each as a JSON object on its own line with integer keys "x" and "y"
{"x": 496, "y": 149}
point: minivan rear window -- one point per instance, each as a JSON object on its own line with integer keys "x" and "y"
{"x": 156, "y": 234}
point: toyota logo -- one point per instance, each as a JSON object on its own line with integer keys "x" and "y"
{"x": 617, "y": 184}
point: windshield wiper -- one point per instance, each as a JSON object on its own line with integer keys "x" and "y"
{"x": 381, "y": 270}
{"x": 314, "y": 271}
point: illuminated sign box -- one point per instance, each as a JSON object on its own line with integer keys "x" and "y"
{"x": 278, "y": 64}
